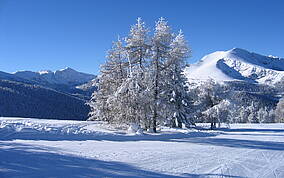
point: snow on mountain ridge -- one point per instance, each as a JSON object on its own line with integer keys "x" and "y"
{"x": 237, "y": 64}
{"x": 206, "y": 68}
{"x": 268, "y": 62}
{"x": 44, "y": 72}
{"x": 63, "y": 76}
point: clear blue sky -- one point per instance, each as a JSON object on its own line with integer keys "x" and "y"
{"x": 54, "y": 34}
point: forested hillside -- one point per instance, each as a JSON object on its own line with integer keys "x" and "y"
{"x": 25, "y": 100}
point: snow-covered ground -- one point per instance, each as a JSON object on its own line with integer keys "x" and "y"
{"x": 53, "y": 148}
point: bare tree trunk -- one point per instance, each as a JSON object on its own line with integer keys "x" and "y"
{"x": 173, "y": 123}
{"x": 179, "y": 123}
{"x": 213, "y": 123}
{"x": 155, "y": 114}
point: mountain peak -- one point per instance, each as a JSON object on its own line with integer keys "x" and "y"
{"x": 238, "y": 50}
{"x": 237, "y": 64}
{"x": 68, "y": 69}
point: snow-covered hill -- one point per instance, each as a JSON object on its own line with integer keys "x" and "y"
{"x": 237, "y": 64}
{"x": 54, "y": 148}
{"x": 65, "y": 76}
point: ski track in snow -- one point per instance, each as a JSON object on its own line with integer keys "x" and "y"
{"x": 56, "y": 148}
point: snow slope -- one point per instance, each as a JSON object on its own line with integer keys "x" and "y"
{"x": 53, "y": 148}
{"x": 237, "y": 64}
{"x": 64, "y": 76}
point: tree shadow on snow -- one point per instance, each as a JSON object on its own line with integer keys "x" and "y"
{"x": 20, "y": 160}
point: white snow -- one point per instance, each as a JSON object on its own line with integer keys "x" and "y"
{"x": 237, "y": 64}
{"x": 55, "y": 148}
{"x": 42, "y": 72}
{"x": 206, "y": 68}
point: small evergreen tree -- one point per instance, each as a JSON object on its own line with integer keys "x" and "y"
{"x": 279, "y": 111}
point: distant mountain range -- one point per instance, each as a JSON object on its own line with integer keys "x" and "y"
{"x": 45, "y": 94}
{"x": 65, "y": 76}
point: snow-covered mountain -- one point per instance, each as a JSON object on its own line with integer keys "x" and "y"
{"x": 65, "y": 76}
{"x": 68, "y": 81}
{"x": 45, "y": 94}
{"x": 237, "y": 64}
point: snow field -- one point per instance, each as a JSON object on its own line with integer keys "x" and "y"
{"x": 55, "y": 148}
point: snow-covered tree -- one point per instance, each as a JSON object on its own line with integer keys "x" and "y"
{"x": 209, "y": 103}
{"x": 272, "y": 117}
{"x": 178, "y": 92}
{"x": 138, "y": 54}
{"x": 160, "y": 54}
{"x": 112, "y": 75}
{"x": 244, "y": 113}
{"x": 212, "y": 99}
{"x": 138, "y": 47}
{"x": 142, "y": 80}
{"x": 253, "y": 113}
{"x": 265, "y": 115}
{"x": 279, "y": 111}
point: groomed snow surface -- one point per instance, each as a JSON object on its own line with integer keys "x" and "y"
{"x": 53, "y": 148}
